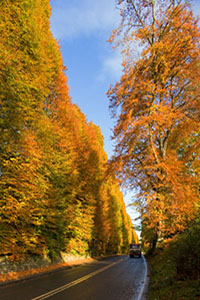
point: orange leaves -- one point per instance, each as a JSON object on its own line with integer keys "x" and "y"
{"x": 157, "y": 111}
{"x": 55, "y": 191}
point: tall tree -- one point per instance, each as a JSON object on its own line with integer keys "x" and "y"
{"x": 54, "y": 195}
{"x": 156, "y": 104}
{"x": 28, "y": 63}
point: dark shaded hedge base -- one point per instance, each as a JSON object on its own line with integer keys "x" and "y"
{"x": 167, "y": 281}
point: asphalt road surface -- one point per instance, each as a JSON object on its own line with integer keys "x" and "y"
{"x": 111, "y": 278}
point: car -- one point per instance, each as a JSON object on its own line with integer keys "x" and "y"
{"x": 135, "y": 250}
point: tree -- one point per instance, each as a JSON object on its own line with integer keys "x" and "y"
{"x": 28, "y": 66}
{"x": 54, "y": 193}
{"x": 156, "y": 104}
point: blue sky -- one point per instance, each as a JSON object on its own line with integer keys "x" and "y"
{"x": 82, "y": 28}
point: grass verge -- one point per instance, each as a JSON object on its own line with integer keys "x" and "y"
{"x": 164, "y": 282}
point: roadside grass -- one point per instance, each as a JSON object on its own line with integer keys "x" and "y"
{"x": 164, "y": 282}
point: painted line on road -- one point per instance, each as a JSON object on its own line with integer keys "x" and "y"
{"x": 141, "y": 296}
{"x": 75, "y": 282}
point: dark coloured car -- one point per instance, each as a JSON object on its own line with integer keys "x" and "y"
{"x": 135, "y": 250}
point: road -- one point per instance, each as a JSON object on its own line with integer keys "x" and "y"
{"x": 111, "y": 278}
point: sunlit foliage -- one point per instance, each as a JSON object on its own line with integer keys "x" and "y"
{"x": 156, "y": 105}
{"x": 55, "y": 195}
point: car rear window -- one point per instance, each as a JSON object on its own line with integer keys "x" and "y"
{"x": 135, "y": 246}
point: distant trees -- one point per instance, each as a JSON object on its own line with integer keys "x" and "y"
{"x": 55, "y": 194}
{"x": 156, "y": 105}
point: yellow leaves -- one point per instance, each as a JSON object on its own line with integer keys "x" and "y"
{"x": 158, "y": 103}
{"x": 112, "y": 37}
{"x": 143, "y": 34}
{"x": 175, "y": 198}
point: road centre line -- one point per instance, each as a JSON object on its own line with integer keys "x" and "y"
{"x": 75, "y": 282}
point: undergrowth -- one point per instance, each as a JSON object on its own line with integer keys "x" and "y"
{"x": 175, "y": 268}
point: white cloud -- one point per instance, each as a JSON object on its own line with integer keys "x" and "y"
{"x": 111, "y": 67}
{"x": 71, "y": 19}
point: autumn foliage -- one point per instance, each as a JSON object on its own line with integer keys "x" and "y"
{"x": 156, "y": 105}
{"x": 55, "y": 193}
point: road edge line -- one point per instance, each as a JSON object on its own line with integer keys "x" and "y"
{"x": 142, "y": 294}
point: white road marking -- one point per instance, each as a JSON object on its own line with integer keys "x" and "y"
{"x": 68, "y": 285}
{"x": 144, "y": 284}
